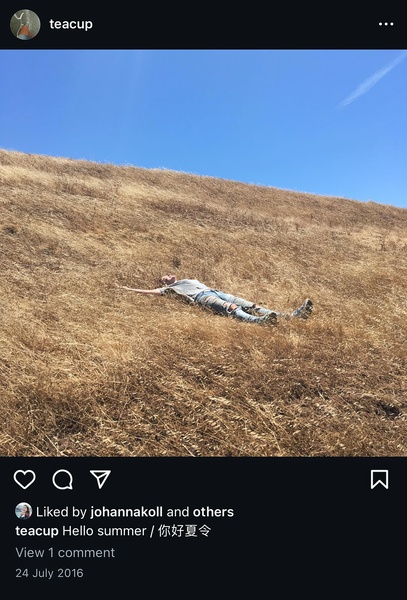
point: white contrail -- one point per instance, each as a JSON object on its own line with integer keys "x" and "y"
{"x": 371, "y": 81}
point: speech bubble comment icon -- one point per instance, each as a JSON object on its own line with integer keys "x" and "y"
{"x": 65, "y": 480}
{"x": 24, "y": 478}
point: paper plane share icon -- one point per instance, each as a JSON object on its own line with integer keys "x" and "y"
{"x": 101, "y": 477}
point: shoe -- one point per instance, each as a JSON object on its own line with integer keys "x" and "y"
{"x": 270, "y": 319}
{"x": 250, "y": 310}
{"x": 304, "y": 311}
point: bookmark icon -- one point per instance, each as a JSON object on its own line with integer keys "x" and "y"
{"x": 379, "y": 476}
{"x": 101, "y": 477}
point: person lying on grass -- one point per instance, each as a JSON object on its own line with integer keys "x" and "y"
{"x": 194, "y": 291}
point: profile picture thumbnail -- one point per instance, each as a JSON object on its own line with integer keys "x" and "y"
{"x": 23, "y": 510}
{"x": 25, "y": 24}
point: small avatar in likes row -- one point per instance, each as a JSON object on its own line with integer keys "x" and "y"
{"x": 23, "y": 510}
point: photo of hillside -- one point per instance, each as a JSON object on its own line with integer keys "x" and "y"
{"x": 88, "y": 369}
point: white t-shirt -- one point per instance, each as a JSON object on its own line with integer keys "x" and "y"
{"x": 186, "y": 287}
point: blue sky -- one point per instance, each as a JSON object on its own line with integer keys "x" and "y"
{"x": 329, "y": 122}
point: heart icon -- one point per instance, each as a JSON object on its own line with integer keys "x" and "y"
{"x": 24, "y": 478}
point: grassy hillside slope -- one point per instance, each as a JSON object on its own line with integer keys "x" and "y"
{"x": 86, "y": 369}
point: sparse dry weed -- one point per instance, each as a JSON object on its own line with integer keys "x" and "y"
{"x": 87, "y": 369}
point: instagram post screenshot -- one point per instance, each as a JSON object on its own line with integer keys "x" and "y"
{"x": 203, "y": 251}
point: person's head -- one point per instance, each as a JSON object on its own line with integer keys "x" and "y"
{"x": 168, "y": 279}
{"x": 25, "y": 510}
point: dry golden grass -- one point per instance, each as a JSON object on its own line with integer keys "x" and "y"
{"x": 89, "y": 370}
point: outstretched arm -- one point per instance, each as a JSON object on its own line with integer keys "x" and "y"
{"x": 156, "y": 292}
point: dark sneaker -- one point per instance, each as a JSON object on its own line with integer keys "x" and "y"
{"x": 304, "y": 311}
{"x": 270, "y": 319}
{"x": 250, "y": 310}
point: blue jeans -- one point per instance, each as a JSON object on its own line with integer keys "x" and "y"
{"x": 229, "y": 305}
